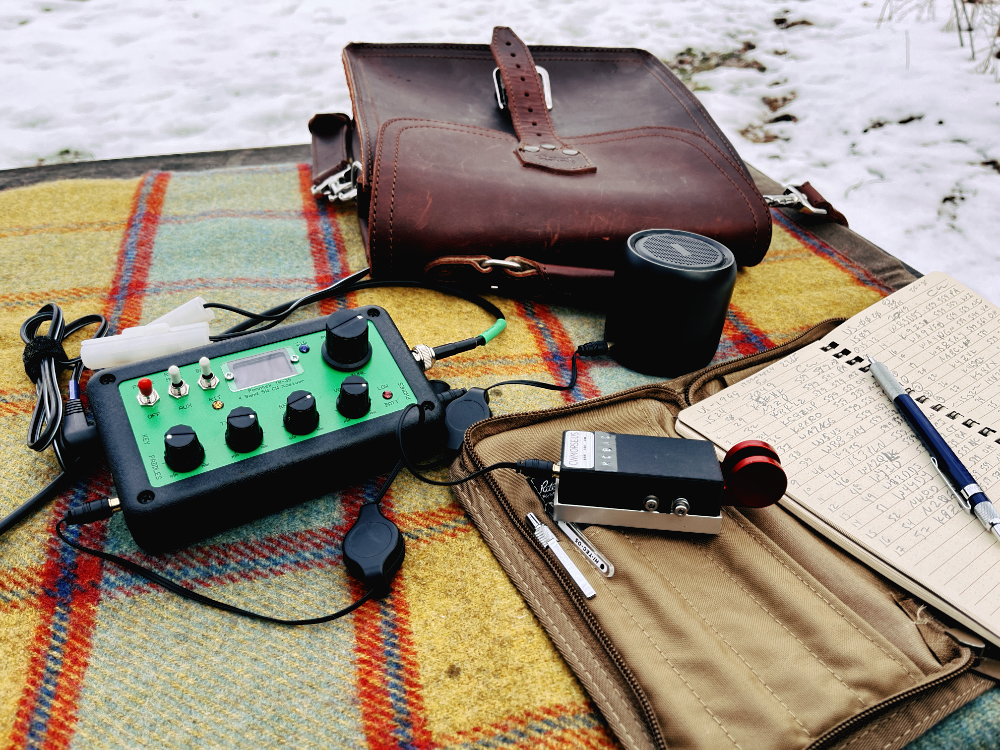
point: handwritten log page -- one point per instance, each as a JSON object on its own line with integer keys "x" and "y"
{"x": 857, "y": 472}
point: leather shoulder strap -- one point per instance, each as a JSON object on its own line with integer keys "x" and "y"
{"x": 539, "y": 145}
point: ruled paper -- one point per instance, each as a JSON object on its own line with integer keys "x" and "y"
{"x": 854, "y": 464}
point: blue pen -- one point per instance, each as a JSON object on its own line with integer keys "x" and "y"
{"x": 970, "y": 494}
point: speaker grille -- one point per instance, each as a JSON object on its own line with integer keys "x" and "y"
{"x": 679, "y": 250}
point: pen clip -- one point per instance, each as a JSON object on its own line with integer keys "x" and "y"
{"x": 961, "y": 500}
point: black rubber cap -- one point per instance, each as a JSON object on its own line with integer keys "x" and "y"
{"x": 373, "y": 550}
{"x": 464, "y": 412}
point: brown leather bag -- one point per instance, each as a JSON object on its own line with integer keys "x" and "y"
{"x": 450, "y": 187}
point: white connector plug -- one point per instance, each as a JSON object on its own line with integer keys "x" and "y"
{"x": 185, "y": 327}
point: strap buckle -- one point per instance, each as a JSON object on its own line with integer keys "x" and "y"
{"x": 501, "y": 90}
{"x": 513, "y": 265}
{"x": 342, "y": 186}
{"x": 793, "y": 198}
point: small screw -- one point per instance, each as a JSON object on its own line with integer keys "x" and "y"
{"x": 652, "y": 502}
{"x": 229, "y": 376}
{"x": 294, "y": 358}
{"x": 145, "y": 497}
{"x": 108, "y": 379}
{"x": 373, "y": 312}
{"x": 681, "y": 507}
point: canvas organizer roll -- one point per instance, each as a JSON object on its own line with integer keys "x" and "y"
{"x": 765, "y": 635}
{"x": 518, "y": 169}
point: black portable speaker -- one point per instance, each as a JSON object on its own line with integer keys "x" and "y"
{"x": 669, "y": 300}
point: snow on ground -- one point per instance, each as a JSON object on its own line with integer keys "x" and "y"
{"x": 888, "y": 121}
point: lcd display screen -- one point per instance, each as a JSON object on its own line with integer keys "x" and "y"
{"x": 261, "y": 368}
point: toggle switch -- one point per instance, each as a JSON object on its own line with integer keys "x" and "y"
{"x": 147, "y": 394}
{"x": 207, "y": 380}
{"x": 178, "y": 388}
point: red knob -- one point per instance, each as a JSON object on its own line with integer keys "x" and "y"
{"x": 753, "y": 474}
{"x": 145, "y": 386}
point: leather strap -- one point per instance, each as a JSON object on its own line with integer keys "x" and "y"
{"x": 331, "y": 144}
{"x": 530, "y": 279}
{"x": 539, "y": 144}
{"x": 816, "y": 199}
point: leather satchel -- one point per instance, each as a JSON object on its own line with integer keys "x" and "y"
{"x": 516, "y": 169}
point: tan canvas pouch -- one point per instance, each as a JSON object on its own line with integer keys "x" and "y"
{"x": 762, "y": 636}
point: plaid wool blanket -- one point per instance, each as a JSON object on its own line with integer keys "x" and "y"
{"x": 93, "y": 656}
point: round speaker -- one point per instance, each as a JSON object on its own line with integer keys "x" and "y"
{"x": 670, "y": 296}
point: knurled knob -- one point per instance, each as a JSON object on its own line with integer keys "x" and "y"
{"x": 181, "y": 449}
{"x": 243, "y": 430}
{"x": 346, "y": 347}
{"x": 753, "y": 475}
{"x": 301, "y": 416}
{"x": 354, "y": 400}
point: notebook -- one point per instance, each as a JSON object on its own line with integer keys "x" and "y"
{"x": 857, "y": 472}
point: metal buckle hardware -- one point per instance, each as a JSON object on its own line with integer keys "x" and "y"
{"x": 342, "y": 186}
{"x": 794, "y": 198}
{"x": 511, "y": 264}
{"x": 501, "y": 90}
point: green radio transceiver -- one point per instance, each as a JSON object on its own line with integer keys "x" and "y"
{"x": 213, "y": 437}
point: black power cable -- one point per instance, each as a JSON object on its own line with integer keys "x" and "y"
{"x": 102, "y": 509}
{"x": 256, "y": 322}
{"x": 63, "y": 426}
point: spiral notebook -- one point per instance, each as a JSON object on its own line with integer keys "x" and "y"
{"x": 857, "y": 473}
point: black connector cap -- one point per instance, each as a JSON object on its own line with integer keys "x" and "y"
{"x": 373, "y": 550}
{"x": 464, "y": 412}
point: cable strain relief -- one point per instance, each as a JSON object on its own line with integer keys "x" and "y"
{"x": 458, "y": 347}
{"x": 535, "y": 467}
{"x": 73, "y": 406}
{"x": 449, "y": 396}
{"x": 593, "y": 348}
{"x": 95, "y": 510}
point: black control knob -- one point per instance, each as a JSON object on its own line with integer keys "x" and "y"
{"x": 243, "y": 431}
{"x": 354, "y": 400}
{"x": 346, "y": 347}
{"x": 181, "y": 449}
{"x": 301, "y": 416}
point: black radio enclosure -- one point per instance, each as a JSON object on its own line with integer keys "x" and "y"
{"x": 639, "y": 481}
{"x": 193, "y": 508}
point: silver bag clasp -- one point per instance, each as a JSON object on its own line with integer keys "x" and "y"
{"x": 793, "y": 198}
{"x": 342, "y": 186}
{"x": 501, "y": 90}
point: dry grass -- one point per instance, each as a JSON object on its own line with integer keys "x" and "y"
{"x": 977, "y": 23}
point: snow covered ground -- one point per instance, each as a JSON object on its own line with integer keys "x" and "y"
{"x": 888, "y": 121}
